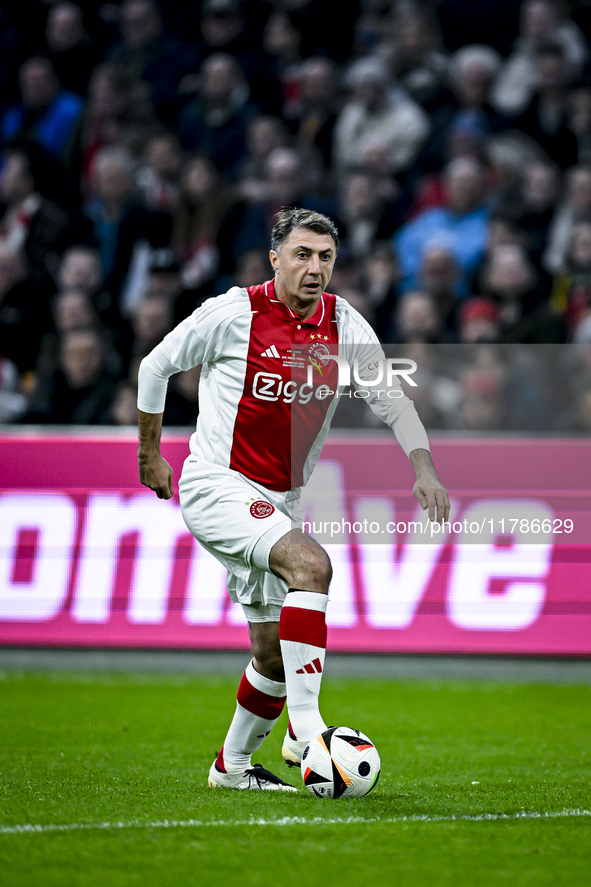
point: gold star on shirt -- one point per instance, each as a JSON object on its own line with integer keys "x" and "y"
{"x": 312, "y": 336}
{"x": 326, "y": 338}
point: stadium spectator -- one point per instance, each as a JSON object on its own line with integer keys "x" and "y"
{"x": 518, "y": 79}
{"x": 440, "y": 278}
{"x": 80, "y": 389}
{"x": 417, "y": 319}
{"x": 545, "y": 119}
{"x": 380, "y": 280}
{"x": 202, "y": 229}
{"x": 114, "y": 116}
{"x": 282, "y": 41}
{"x": 150, "y": 58}
{"x": 215, "y": 122}
{"x": 227, "y": 26}
{"x": 461, "y": 225}
{"x": 508, "y": 276}
{"x": 479, "y": 321}
{"x": 117, "y": 224}
{"x": 70, "y": 48}
{"x": 46, "y": 113}
{"x": 377, "y": 114}
{"x": 263, "y": 135}
{"x": 579, "y": 120}
{"x": 571, "y": 295}
{"x": 24, "y": 311}
{"x": 164, "y": 275}
{"x": 28, "y": 221}
{"x": 12, "y": 399}
{"x": 150, "y": 323}
{"x": 483, "y": 406}
{"x": 252, "y": 268}
{"x": 80, "y": 269}
{"x": 158, "y": 176}
{"x": 71, "y": 309}
{"x": 532, "y": 204}
{"x": 465, "y": 120}
{"x": 575, "y": 208}
{"x": 364, "y": 213}
{"x": 312, "y": 119}
{"x": 123, "y": 408}
{"x": 411, "y": 47}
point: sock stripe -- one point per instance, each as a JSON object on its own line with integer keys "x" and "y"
{"x": 303, "y": 626}
{"x": 265, "y": 685}
{"x": 257, "y": 703}
{"x": 306, "y": 600}
{"x": 220, "y": 760}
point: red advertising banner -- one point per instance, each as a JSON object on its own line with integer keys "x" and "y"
{"x": 89, "y": 557}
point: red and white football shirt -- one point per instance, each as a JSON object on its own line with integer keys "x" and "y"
{"x": 267, "y": 391}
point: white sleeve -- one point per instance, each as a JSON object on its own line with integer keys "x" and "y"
{"x": 386, "y": 399}
{"x": 197, "y": 339}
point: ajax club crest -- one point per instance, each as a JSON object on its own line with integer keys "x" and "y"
{"x": 260, "y": 508}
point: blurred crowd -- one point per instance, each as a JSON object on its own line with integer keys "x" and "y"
{"x": 147, "y": 146}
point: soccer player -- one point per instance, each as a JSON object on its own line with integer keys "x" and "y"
{"x": 268, "y": 389}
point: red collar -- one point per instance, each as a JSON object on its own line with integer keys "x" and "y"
{"x": 285, "y": 311}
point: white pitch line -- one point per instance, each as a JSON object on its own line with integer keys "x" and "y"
{"x": 31, "y": 828}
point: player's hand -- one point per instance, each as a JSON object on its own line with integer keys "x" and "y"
{"x": 431, "y": 494}
{"x": 156, "y": 473}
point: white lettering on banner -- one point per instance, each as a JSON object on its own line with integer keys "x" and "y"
{"x": 109, "y": 517}
{"x": 393, "y": 589}
{"x": 206, "y": 589}
{"x": 53, "y": 516}
{"x": 323, "y": 500}
{"x": 470, "y": 605}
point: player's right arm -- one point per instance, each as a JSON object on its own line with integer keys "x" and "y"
{"x": 154, "y": 470}
{"x": 198, "y": 339}
{"x": 176, "y": 352}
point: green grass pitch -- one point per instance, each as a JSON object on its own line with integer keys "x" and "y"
{"x": 120, "y": 762}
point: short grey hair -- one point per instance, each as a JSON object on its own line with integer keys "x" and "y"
{"x": 296, "y": 217}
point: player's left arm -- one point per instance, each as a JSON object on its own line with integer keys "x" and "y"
{"x": 428, "y": 489}
{"x": 400, "y": 414}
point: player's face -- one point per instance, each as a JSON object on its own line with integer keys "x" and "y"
{"x": 303, "y": 269}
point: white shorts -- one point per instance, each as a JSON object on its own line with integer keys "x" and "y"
{"x": 239, "y": 522}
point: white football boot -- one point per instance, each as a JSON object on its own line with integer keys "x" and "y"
{"x": 255, "y": 777}
{"x": 293, "y": 749}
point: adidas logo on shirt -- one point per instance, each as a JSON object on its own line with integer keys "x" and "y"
{"x": 270, "y": 352}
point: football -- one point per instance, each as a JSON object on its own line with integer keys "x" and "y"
{"x": 340, "y": 763}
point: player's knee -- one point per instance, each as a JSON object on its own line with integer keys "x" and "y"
{"x": 269, "y": 662}
{"x": 312, "y": 570}
{"x": 303, "y": 563}
{"x": 321, "y": 567}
